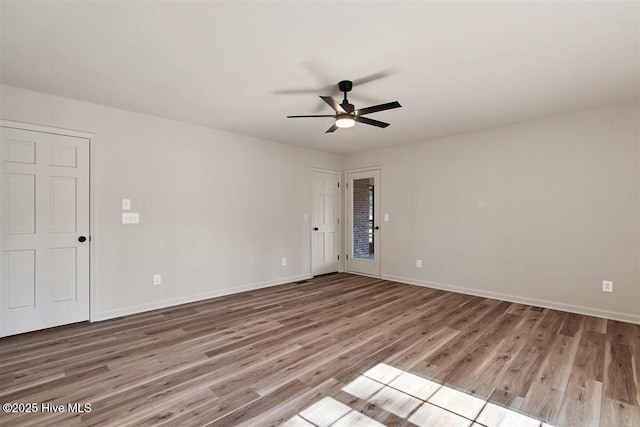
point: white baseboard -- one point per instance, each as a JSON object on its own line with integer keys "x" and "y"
{"x": 613, "y": 315}
{"x": 197, "y": 297}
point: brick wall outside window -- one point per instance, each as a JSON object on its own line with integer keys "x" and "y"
{"x": 361, "y": 247}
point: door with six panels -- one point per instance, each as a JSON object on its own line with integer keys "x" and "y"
{"x": 44, "y": 276}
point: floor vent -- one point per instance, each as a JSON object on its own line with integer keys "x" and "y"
{"x": 301, "y": 282}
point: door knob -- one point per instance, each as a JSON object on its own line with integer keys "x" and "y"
{"x": 315, "y": 228}
{"x": 82, "y": 239}
{"x": 377, "y": 227}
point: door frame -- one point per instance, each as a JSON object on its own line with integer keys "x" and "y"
{"x": 339, "y": 228}
{"x": 346, "y": 216}
{"x": 91, "y": 137}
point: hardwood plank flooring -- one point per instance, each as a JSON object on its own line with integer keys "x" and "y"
{"x": 353, "y": 349}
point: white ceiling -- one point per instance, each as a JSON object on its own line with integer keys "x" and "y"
{"x": 454, "y": 66}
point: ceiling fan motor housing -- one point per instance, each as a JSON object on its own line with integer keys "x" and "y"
{"x": 348, "y": 108}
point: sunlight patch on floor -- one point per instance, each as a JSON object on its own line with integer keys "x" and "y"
{"x": 408, "y": 396}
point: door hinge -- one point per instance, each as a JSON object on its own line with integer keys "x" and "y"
{"x": 338, "y": 185}
{"x": 347, "y": 256}
{"x": 338, "y": 257}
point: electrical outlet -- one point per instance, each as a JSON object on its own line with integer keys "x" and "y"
{"x": 284, "y": 262}
{"x": 130, "y": 218}
{"x": 607, "y": 286}
{"x": 418, "y": 263}
{"x": 157, "y": 279}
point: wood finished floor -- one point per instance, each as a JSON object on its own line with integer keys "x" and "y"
{"x": 262, "y": 357}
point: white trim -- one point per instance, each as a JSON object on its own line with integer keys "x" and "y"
{"x": 92, "y": 234}
{"x": 613, "y": 315}
{"x": 12, "y": 124}
{"x": 45, "y": 129}
{"x": 325, "y": 170}
{"x": 368, "y": 168}
{"x": 110, "y": 314}
{"x": 373, "y": 276}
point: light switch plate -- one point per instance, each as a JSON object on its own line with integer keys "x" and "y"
{"x": 126, "y": 204}
{"x": 386, "y": 217}
{"x": 130, "y": 218}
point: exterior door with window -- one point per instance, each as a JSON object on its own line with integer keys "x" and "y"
{"x": 363, "y": 222}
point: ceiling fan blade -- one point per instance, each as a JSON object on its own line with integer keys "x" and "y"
{"x": 332, "y": 128}
{"x": 372, "y": 77}
{"x": 296, "y": 91}
{"x": 376, "y": 108}
{"x": 313, "y": 115}
{"x": 333, "y": 104}
{"x": 368, "y": 121}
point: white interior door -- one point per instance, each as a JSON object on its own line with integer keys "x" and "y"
{"x": 363, "y": 222}
{"x": 44, "y": 274}
{"x": 325, "y": 223}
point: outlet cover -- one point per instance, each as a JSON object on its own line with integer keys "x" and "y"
{"x": 157, "y": 279}
{"x": 418, "y": 263}
{"x": 607, "y": 286}
{"x": 130, "y": 218}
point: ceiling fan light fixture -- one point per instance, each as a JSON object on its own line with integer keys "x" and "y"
{"x": 345, "y": 121}
{"x": 346, "y": 115}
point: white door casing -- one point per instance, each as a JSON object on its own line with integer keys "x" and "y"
{"x": 363, "y": 222}
{"x": 324, "y": 223}
{"x": 44, "y": 268}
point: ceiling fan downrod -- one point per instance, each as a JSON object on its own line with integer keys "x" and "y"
{"x": 345, "y": 86}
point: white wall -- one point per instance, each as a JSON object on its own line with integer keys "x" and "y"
{"x": 218, "y": 210}
{"x": 539, "y": 211}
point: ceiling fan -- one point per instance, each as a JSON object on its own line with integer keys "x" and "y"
{"x": 346, "y": 115}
